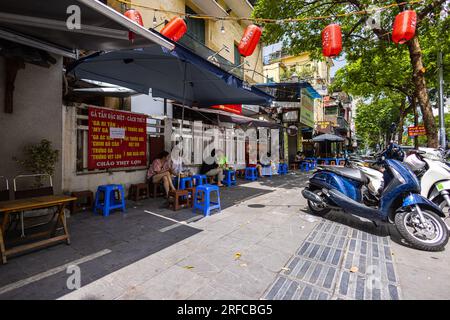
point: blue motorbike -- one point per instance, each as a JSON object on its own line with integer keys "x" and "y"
{"x": 416, "y": 218}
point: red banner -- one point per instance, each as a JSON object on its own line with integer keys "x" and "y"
{"x": 116, "y": 139}
{"x": 417, "y": 131}
{"x": 233, "y": 108}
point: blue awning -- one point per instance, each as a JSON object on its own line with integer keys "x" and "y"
{"x": 179, "y": 74}
{"x": 288, "y": 91}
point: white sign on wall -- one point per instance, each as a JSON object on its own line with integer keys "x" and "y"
{"x": 117, "y": 133}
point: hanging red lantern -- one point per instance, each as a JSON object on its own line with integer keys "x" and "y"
{"x": 249, "y": 40}
{"x": 332, "y": 40}
{"x": 134, "y": 16}
{"x": 175, "y": 29}
{"x": 404, "y": 26}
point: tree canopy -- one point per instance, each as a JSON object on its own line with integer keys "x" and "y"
{"x": 377, "y": 68}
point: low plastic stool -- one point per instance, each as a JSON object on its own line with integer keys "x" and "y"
{"x": 230, "y": 178}
{"x": 304, "y": 166}
{"x": 282, "y": 168}
{"x": 202, "y": 199}
{"x": 110, "y": 202}
{"x": 186, "y": 182}
{"x": 199, "y": 179}
{"x": 251, "y": 174}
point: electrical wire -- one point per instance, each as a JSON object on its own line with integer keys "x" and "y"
{"x": 272, "y": 21}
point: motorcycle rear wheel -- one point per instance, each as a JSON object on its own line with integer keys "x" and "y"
{"x": 407, "y": 222}
{"x": 316, "y": 209}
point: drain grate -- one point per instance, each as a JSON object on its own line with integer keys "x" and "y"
{"x": 320, "y": 269}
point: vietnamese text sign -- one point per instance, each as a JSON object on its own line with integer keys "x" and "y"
{"x": 417, "y": 131}
{"x": 116, "y": 139}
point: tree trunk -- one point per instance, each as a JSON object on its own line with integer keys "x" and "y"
{"x": 421, "y": 92}
{"x": 401, "y": 121}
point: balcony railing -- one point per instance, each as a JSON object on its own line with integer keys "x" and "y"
{"x": 205, "y": 52}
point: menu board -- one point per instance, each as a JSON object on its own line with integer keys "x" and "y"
{"x": 117, "y": 139}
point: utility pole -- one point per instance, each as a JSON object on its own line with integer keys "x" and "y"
{"x": 441, "y": 103}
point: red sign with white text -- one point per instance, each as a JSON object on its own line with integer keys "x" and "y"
{"x": 417, "y": 131}
{"x": 117, "y": 139}
{"x": 233, "y": 108}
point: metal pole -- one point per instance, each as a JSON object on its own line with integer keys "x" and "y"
{"x": 441, "y": 103}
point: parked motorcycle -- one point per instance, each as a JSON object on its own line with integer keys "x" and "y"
{"x": 434, "y": 174}
{"x": 417, "y": 219}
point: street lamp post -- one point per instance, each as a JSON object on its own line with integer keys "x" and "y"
{"x": 441, "y": 103}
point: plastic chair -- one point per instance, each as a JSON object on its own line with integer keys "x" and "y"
{"x": 199, "y": 179}
{"x": 230, "y": 178}
{"x": 110, "y": 202}
{"x": 251, "y": 174}
{"x": 202, "y": 199}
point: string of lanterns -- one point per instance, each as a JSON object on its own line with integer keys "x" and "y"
{"x": 403, "y": 30}
{"x": 267, "y": 20}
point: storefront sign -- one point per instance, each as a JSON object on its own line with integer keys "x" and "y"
{"x": 116, "y": 139}
{"x": 417, "y": 131}
{"x": 290, "y": 116}
{"x": 233, "y": 108}
{"x": 324, "y": 127}
{"x": 307, "y": 110}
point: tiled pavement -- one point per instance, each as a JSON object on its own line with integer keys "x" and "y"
{"x": 263, "y": 244}
{"x": 338, "y": 262}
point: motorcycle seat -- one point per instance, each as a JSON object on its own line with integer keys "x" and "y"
{"x": 350, "y": 173}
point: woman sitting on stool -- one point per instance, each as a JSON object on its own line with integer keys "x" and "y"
{"x": 158, "y": 171}
{"x": 211, "y": 168}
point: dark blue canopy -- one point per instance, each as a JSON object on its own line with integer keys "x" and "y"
{"x": 165, "y": 72}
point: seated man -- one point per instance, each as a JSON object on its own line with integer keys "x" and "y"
{"x": 211, "y": 168}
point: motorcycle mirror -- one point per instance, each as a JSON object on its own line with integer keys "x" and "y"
{"x": 393, "y": 127}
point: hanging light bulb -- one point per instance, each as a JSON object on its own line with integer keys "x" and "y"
{"x": 222, "y": 28}
{"x": 154, "y": 19}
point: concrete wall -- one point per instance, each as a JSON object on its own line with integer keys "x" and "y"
{"x": 78, "y": 182}
{"x": 37, "y": 115}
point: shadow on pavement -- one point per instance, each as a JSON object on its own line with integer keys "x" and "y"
{"x": 101, "y": 245}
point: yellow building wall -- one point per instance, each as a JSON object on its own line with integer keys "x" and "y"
{"x": 215, "y": 39}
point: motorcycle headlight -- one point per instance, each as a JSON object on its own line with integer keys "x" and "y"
{"x": 398, "y": 176}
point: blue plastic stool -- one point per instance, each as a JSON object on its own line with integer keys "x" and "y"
{"x": 304, "y": 166}
{"x": 202, "y": 199}
{"x": 282, "y": 168}
{"x": 109, "y": 200}
{"x": 251, "y": 174}
{"x": 230, "y": 178}
{"x": 199, "y": 179}
{"x": 186, "y": 182}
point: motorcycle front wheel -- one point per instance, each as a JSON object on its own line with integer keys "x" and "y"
{"x": 430, "y": 236}
{"x": 316, "y": 208}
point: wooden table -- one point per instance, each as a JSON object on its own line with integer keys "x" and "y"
{"x": 8, "y": 208}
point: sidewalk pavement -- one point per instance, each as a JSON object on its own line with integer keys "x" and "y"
{"x": 263, "y": 245}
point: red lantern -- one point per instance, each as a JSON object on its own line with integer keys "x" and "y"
{"x": 249, "y": 40}
{"x": 332, "y": 40}
{"x": 136, "y": 17}
{"x": 404, "y": 26}
{"x": 175, "y": 29}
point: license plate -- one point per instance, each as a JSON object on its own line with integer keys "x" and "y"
{"x": 443, "y": 186}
